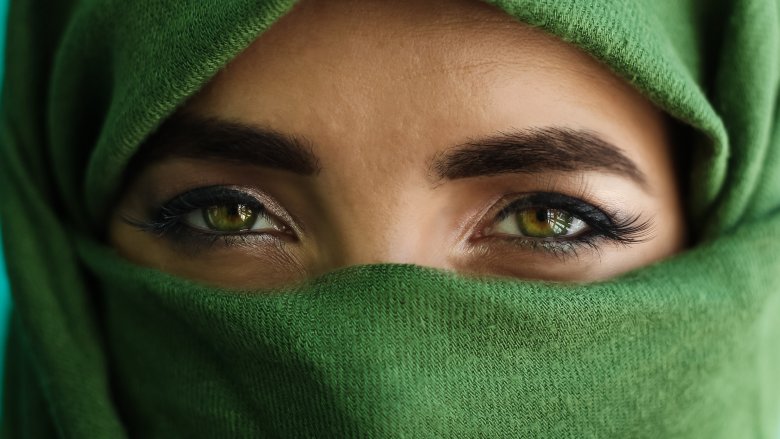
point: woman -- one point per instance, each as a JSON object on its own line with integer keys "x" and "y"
{"x": 320, "y": 219}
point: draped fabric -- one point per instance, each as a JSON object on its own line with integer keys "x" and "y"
{"x": 98, "y": 347}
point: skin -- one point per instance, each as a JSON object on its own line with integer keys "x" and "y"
{"x": 379, "y": 88}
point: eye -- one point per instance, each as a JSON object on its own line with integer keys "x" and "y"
{"x": 232, "y": 218}
{"x": 231, "y": 215}
{"x": 558, "y": 224}
{"x": 541, "y": 223}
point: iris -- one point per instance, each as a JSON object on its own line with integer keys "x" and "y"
{"x": 229, "y": 217}
{"x": 547, "y": 223}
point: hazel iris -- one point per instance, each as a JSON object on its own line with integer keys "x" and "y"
{"x": 229, "y": 217}
{"x": 544, "y": 223}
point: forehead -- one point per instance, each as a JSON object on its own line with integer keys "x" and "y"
{"x": 376, "y": 77}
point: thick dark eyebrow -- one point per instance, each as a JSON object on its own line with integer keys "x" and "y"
{"x": 191, "y": 136}
{"x": 535, "y": 150}
{"x": 531, "y": 150}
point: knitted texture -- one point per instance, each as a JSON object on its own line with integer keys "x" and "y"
{"x": 99, "y": 347}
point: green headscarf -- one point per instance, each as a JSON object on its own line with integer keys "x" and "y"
{"x": 101, "y": 348}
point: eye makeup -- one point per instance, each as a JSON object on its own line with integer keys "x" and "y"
{"x": 599, "y": 227}
{"x": 181, "y": 219}
{"x": 173, "y": 221}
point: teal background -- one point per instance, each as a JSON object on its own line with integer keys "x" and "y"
{"x": 5, "y": 300}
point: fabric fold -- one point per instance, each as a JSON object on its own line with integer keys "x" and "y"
{"x": 102, "y": 348}
{"x": 404, "y": 351}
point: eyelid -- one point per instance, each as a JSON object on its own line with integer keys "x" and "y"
{"x": 514, "y": 202}
{"x": 247, "y": 195}
{"x": 197, "y": 220}
{"x": 575, "y": 228}
{"x": 609, "y": 224}
{"x": 171, "y": 223}
{"x": 581, "y": 209}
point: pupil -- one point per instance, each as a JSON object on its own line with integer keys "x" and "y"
{"x": 541, "y": 215}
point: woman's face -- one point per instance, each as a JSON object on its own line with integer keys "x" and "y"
{"x": 439, "y": 133}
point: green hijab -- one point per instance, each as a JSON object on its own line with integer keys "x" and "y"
{"x": 98, "y": 347}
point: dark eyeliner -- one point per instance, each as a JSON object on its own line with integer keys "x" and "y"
{"x": 167, "y": 220}
{"x": 612, "y": 226}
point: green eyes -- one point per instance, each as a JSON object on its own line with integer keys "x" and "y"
{"x": 229, "y": 218}
{"x": 555, "y": 221}
{"x": 232, "y": 218}
{"x": 541, "y": 223}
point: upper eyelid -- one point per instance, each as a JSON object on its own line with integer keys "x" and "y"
{"x": 183, "y": 204}
{"x": 488, "y": 217}
{"x": 268, "y": 204}
{"x": 232, "y": 191}
{"x": 547, "y": 199}
{"x": 616, "y": 227}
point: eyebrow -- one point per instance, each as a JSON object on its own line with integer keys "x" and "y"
{"x": 535, "y": 150}
{"x": 190, "y": 136}
{"x": 529, "y": 151}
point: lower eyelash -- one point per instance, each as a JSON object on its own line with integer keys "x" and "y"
{"x": 561, "y": 249}
{"x": 612, "y": 227}
{"x": 628, "y": 233}
{"x": 608, "y": 226}
{"x": 193, "y": 239}
{"x": 168, "y": 220}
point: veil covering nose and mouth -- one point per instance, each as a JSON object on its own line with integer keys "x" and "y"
{"x": 99, "y": 347}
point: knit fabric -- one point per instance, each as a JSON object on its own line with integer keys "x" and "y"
{"x": 98, "y": 347}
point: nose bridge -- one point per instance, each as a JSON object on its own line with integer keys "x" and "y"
{"x": 375, "y": 184}
{"x": 377, "y": 226}
{"x": 381, "y": 221}
{"x": 370, "y": 248}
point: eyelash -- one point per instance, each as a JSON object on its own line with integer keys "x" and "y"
{"x": 613, "y": 227}
{"x": 168, "y": 221}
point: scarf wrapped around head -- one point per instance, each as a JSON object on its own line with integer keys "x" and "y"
{"x": 98, "y": 347}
